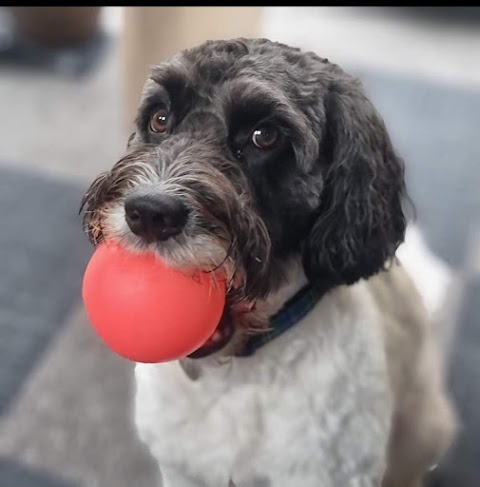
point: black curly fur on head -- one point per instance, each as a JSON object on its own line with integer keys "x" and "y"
{"x": 328, "y": 192}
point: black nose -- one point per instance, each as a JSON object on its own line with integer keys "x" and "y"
{"x": 155, "y": 216}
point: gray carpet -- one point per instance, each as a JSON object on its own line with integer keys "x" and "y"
{"x": 13, "y": 474}
{"x": 42, "y": 256}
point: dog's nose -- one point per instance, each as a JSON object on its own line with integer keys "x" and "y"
{"x": 155, "y": 216}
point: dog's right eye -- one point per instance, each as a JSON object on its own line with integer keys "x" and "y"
{"x": 265, "y": 137}
{"x": 159, "y": 121}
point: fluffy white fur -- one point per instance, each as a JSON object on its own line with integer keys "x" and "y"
{"x": 316, "y": 407}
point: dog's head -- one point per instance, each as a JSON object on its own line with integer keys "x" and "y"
{"x": 250, "y": 153}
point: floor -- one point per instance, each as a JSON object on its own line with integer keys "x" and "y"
{"x": 69, "y": 422}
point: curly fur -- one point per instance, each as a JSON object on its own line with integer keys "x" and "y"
{"x": 325, "y": 204}
{"x": 361, "y": 221}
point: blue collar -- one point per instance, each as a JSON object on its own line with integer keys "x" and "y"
{"x": 289, "y": 315}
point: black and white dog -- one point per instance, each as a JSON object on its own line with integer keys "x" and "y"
{"x": 271, "y": 164}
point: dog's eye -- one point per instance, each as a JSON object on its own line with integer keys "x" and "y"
{"x": 264, "y": 137}
{"x": 159, "y": 120}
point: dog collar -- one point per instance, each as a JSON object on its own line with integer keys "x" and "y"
{"x": 289, "y": 315}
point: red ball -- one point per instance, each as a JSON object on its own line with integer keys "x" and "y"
{"x": 146, "y": 311}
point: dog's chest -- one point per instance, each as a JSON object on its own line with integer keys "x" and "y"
{"x": 286, "y": 415}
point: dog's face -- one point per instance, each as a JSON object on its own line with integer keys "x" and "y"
{"x": 248, "y": 154}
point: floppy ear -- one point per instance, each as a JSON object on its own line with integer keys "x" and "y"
{"x": 360, "y": 220}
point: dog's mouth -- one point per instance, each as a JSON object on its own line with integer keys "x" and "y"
{"x": 219, "y": 338}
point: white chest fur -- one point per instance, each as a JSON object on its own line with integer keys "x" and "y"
{"x": 309, "y": 409}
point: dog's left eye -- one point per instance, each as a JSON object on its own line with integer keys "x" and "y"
{"x": 159, "y": 120}
{"x": 265, "y": 137}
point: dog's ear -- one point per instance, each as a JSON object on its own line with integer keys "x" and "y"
{"x": 360, "y": 221}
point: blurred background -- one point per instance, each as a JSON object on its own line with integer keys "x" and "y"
{"x": 70, "y": 78}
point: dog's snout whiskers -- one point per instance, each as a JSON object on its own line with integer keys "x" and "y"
{"x": 188, "y": 203}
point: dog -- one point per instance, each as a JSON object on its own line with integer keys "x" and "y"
{"x": 271, "y": 165}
